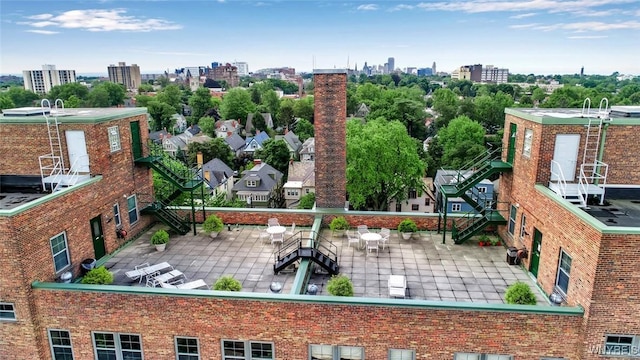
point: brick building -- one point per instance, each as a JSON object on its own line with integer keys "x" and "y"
{"x": 41, "y": 318}
{"x": 227, "y": 72}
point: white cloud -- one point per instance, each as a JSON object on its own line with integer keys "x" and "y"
{"x": 401, "y": 7}
{"x": 591, "y": 26}
{"x": 587, "y": 37}
{"x": 479, "y": 6}
{"x": 43, "y": 32}
{"x": 525, "y": 26}
{"x": 100, "y": 20}
{"x": 522, "y": 16}
{"x": 368, "y": 7}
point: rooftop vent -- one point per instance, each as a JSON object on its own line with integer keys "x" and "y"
{"x": 25, "y": 111}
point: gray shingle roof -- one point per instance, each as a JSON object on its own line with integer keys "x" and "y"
{"x": 235, "y": 141}
{"x": 219, "y": 172}
{"x": 264, "y": 172}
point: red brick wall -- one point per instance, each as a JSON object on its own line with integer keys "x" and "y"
{"x": 621, "y": 153}
{"x": 330, "y": 114}
{"x": 292, "y": 326}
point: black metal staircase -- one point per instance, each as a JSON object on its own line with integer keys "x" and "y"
{"x": 463, "y": 186}
{"x": 183, "y": 179}
{"x": 320, "y": 251}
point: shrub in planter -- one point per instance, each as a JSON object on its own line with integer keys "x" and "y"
{"x": 99, "y": 276}
{"x": 212, "y": 225}
{"x": 160, "y": 239}
{"x": 338, "y": 225}
{"x": 227, "y": 283}
{"x": 483, "y": 240}
{"x": 340, "y": 286}
{"x": 406, "y": 227}
{"x": 520, "y": 293}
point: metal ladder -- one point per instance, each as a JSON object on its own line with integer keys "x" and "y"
{"x": 52, "y": 164}
{"x": 591, "y": 169}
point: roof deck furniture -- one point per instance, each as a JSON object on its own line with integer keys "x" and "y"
{"x": 353, "y": 239}
{"x": 371, "y": 240}
{"x": 397, "y": 286}
{"x": 277, "y": 237}
{"x": 180, "y": 284}
{"x": 157, "y": 279}
{"x": 293, "y": 229}
{"x": 273, "y": 222}
{"x": 144, "y": 270}
{"x": 385, "y": 234}
{"x": 263, "y": 235}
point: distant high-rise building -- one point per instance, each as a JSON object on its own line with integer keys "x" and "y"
{"x": 433, "y": 68}
{"x": 582, "y": 71}
{"x": 127, "y": 75}
{"x": 492, "y": 74}
{"x": 215, "y": 64}
{"x": 470, "y": 72}
{"x": 227, "y": 72}
{"x": 41, "y": 81}
{"x": 425, "y": 72}
{"x": 392, "y": 64}
{"x": 243, "y": 68}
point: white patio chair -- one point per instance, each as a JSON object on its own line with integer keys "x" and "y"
{"x": 263, "y": 235}
{"x": 362, "y": 229}
{"x": 372, "y": 245}
{"x": 353, "y": 239}
{"x": 293, "y": 229}
{"x": 397, "y": 286}
{"x": 277, "y": 238}
{"x": 180, "y": 284}
{"x": 386, "y": 234}
{"x": 273, "y": 222}
{"x": 157, "y": 279}
{"x": 144, "y": 270}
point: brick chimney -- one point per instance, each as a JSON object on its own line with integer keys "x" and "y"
{"x": 257, "y": 162}
{"x": 330, "y": 116}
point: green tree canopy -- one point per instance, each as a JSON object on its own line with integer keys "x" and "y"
{"x": 98, "y": 97}
{"x": 162, "y": 115}
{"x": 271, "y": 103}
{"x": 285, "y": 114}
{"x": 237, "y": 104}
{"x": 172, "y": 96}
{"x": 216, "y": 148}
{"x": 208, "y": 125}
{"x": 304, "y": 129}
{"x": 382, "y": 163}
{"x": 303, "y": 108}
{"x": 276, "y": 154}
{"x": 445, "y": 103}
{"x": 65, "y": 91}
{"x": 6, "y": 102}
{"x": 200, "y": 102}
{"x": 462, "y": 140}
{"x": 115, "y": 92}
{"x": 22, "y": 97}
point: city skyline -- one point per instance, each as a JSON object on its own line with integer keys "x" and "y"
{"x": 541, "y": 37}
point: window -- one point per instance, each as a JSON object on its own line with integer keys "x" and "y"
{"x": 477, "y": 356}
{"x": 60, "y": 251}
{"x": 528, "y": 140}
{"x": 622, "y": 345}
{"x": 132, "y": 208}
{"x": 60, "y": 342}
{"x": 187, "y": 348}
{"x": 456, "y": 207}
{"x": 398, "y": 206}
{"x": 397, "y": 354}
{"x": 252, "y": 183}
{"x": 306, "y": 191}
{"x": 248, "y": 350}
{"x": 116, "y": 214}
{"x": 114, "y": 346}
{"x": 328, "y": 352}
{"x": 415, "y": 207}
{"x": 512, "y": 219}
{"x": 114, "y": 138}
{"x": 7, "y": 312}
{"x": 413, "y": 194}
{"x": 427, "y": 201}
{"x": 564, "y": 269}
{"x": 523, "y": 226}
{"x": 482, "y": 189}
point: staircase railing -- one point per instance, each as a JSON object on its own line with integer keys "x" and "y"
{"x": 327, "y": 247}
{"x": 54, "y": 170}
{"x": 176, "y": 167}
{"x": 470, "y": 219}
{"x": 560, "y": 182}
{"x": 600, "y": 172}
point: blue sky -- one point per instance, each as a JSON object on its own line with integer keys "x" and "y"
{"x": 528, "y": 36}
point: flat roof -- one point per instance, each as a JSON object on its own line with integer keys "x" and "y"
{"x": 618, "y": 115}
{"x": 30, "y": 115}
{"x": 617, "y": 212}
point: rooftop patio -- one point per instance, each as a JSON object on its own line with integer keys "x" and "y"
{"x": 433, "y": 271}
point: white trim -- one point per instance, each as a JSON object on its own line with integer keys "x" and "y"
{"x": 175, "y": 341}
{"x": 52, "y": 347}
{"x": 66, "y": 251}
{"x": 13, "y": 310}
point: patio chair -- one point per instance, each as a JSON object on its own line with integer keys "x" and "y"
{"x": 362, "y": 229}
{"x": 372, "y": 245}
{"x": 277, "y": 238}
{"x": 180, "y": 284}
{"x": 293, "y": 229}
{"x": 156, "y": 279}
{"x": 263, "y": 235}
{"x": 353, "y": 239}
{"x": 386, "y": 234}
{"x": 144, "y": 270}
{"x": 397, "y": 286}
{"x": 273, "y": 222}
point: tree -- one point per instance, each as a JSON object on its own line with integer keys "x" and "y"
{"x": 303, "y": 108}
{"x": 285, "y": 114}
{"x": 275, "y": 153}
{"x": 462, "y": 140}
{"x": 304, "y": 129}
{"x": 22, "y": 97}
{"x": 368, "y": 93}
{"x": 65, "y": 91}
{"x": 162, "y": 115}
{"x": 237, "y": 104}
{"x": 145, "y": 88}
{"x": 256, "y": 97}
{"x": 98, "y": 97}
{"x": 382, "y": 163}
{"x": 172, "y": 96}
{"x": 445, "y": 103}
{"x": 538, "y": 95}
{"x": 116, "y": 92}
{"x": 6, "y": 102}
{"x": 208, "y": 125}
{"x": 271, "y": 102}
{"x": 200, "y": 102}
{"x": 143, "y": 100}
{"x": 490, "y": 110}
{"x": 307, "y": 201}
{"x": 73, "y": 102}
{"x": 215, "y": 148}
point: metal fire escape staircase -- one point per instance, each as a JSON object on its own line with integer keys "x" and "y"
{"x": 593, "y": 172}
{"x": 464, "y": 187}
{"x": 183, "y": 180}
{"x": 321, "y": 251}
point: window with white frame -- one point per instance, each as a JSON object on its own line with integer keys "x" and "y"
{"x": 114, "y": 138}
{"x": 247, "y": 350}
{"x": 528, "y": 140}
{"x": 116, "y": 346}
{"x": 564, "y": 270}
{"x": 622, "y": 345}
{"x": 330, "y": 352}
{"x": 523, "y": 226}
{"x": 116, "y": 214}
{"x": 482, "y": 189}
{"x": 7, "y": 312}
{"x": 402, "y": 354}
{"x": 415, "y": 207}
{"x": 60, "y": 252}
{"x": 252, "y": 183}
{"x": 479, "y": 356}
{"x": 60, "y": 343}
{"x": 456, "y": 207}
{"x": 512, "y": 219}
{"x": 132, "y": 209}
{"x": 187, "y": 348}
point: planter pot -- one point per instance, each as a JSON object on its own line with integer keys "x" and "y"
{"x": 160, "y": 247}
{"x": 338, "y": 233}
{"x": 213, "y": 234}
{"x": 406, "y": 236}
{"x": 86, "y": 265}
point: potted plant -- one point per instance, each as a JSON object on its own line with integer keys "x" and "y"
{"x": 407, "y": 227}
{"x": 160, "y": 239}
{"x": 227, "y": 283}
{"x": 340, "y": 285}
{"x": 212, "y": 225}
{"x": 339, "y": 225}
{"x": 494, "y": 241}
{"x": 483, "y": 240}
{"x": 520, "y": 293}
{"x": 99, "y": 276}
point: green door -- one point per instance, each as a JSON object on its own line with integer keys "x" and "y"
{"x": 97, "y": 236}
{"x": 136, "y": 142}
{"x": 511, "y": 154}
{"x": 535, "y": 254}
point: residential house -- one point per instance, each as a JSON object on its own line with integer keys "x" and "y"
{"x": 363, "y": 111}
{"x": 417, "y": 201}
{"x": 225, "y": 128}
{"x": 174, "y": 145}
{"x": 293, "y": 143}
{"x": 301, "y": 180}
{"x": 308, "y": 150}
{"x": 482, "y": 193}
{"x": 254, "y": 143}
{"x": 157, "y": 136}
{"x": 236, "y": 143}
{"x": 218, "y": 177}
{"x": 249, "y": 128}
{"x": 258, "y": 184}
